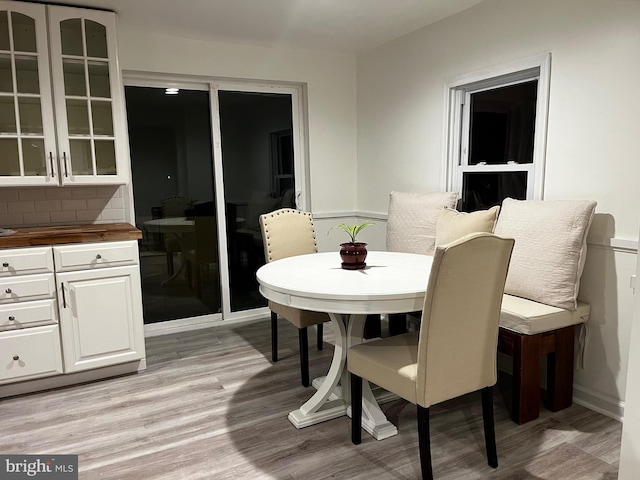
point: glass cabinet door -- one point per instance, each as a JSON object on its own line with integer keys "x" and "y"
{"x": 27, "y": 138}
{"x": 88, "y": 96}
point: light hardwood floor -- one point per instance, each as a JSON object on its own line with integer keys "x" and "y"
{"x": 211, "y": 405}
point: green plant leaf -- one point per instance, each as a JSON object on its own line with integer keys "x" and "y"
{"x": 352, "y": 230}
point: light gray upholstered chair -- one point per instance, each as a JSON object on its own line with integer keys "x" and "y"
{"x": 455, "y": 351}
{"x": 286, "y": 233}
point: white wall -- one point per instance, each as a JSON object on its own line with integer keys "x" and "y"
{"x": 330, "y": 82}
{"x": 592, "y": 133}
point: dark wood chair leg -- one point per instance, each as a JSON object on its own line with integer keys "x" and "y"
{"x": 489, "y": 427}
{"x": 372, "y": 327}
{"x": 274, "y": 336}
{"x": 527, "y": 358}
{"x": 356, "y": 409}
{"x": 304, "y": 356}
{"x": 319, "y": 340}
{"x": 397, "y": 324}
{"x": 560, "y": 371}
{"x": 424, "y": 443}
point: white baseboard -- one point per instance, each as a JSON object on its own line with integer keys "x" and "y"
{"x": 598, "y": 402}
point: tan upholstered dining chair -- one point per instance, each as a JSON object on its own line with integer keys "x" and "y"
{"x": 455, "y": 351}
{"x": 286, "y": 233}
{"x": 411, "y": 228}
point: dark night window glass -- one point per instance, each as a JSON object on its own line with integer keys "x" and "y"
{"x": 502, "y": 124}
{"x": 484, "y": 190}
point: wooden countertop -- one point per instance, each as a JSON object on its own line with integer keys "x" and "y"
{"x": 56, "y": 235}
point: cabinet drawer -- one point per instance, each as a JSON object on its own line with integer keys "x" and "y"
{"x": 88, "y": 256}
{"x": 29, "y": 287}
{"x": 25, "y": 261}
{"x": 28, "y": 314}
{"x": 30, "y": 353}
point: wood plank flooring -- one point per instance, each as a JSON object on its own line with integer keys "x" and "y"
{"x": 211, "y": 405}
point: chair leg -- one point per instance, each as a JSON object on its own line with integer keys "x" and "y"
{"x": 489, "y": 427}
{"x": 320, "y": 340}
{"x": 560, "y": 371}
{"x": 304, "y": 356}
{"x": 356, "y": 409}
{"x": 274, "y": 336}
{"x": 424, "y": 443}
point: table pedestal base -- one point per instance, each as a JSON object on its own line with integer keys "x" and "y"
{"x": 333, "y": 396}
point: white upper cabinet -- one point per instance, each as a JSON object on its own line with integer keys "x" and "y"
{"x": 71, "y": 80}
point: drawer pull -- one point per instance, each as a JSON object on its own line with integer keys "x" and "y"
{"x": 12, "y": 318}
{"x": 98, "y": 256}
{"x": 16, "y": 357}
{"x": 5, "y": 264}
{"x": 8, "y": 290}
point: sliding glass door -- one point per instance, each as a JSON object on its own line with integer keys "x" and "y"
{"x": 206, "y": 162}
{"x": 173, "y": 181}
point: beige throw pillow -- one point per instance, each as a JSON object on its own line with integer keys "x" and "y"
{"x": 411, "y": 223}
{"x": 550, "y": 249}
{"x": 453, "y": 225}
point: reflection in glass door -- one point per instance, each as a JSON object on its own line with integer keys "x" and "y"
{"x": 257, "y": 145}
{"x": 173, "y": 185}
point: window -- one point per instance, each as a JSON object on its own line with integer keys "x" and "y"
{"x": 495, "y": 133}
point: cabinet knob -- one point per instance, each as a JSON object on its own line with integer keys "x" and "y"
{"x": 8, "y": 290}
{"x": 12, "y": 318}
{"x": 98, "y": 256}
{"x": 16, "y": 357}
{"x": 5, "y": 264}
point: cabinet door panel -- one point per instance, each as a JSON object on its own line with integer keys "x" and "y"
{"x": 89, "y": 96}
{"x": 26, "y": 106}
{"x": 101, "y": 323}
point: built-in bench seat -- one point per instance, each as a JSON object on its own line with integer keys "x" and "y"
{"x": 528, "y": 331}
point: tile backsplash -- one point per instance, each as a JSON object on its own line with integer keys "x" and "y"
{"x": 31, "y": 206}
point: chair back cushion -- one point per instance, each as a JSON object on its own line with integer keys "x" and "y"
{"x": 286, "y": 233}
{"x": 453, "y": 225}
{"x": 551, "y": 248}
{"x": 412, "y": 217}
{"x": 459, "y": 331}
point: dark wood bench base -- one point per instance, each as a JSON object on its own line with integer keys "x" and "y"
{"x": 527, "y": 352}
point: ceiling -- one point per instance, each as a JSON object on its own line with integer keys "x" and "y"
{"x": 348, "y": 26}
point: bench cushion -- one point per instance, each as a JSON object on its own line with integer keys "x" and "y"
{"x": 529, "y": 317}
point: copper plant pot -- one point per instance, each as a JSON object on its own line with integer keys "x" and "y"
{"x": 353, "y": 255}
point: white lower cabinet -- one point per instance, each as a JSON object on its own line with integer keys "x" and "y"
{"x": 69, "y": 309}
{"x": 100, "y": 317}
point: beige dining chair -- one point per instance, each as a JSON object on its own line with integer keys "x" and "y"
{"x": 455, "y": 351}
{"x": 411, "y": 228}
{"x": 286, "y": 233}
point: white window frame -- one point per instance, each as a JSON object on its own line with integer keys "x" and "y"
{"x": 458, "y": 92}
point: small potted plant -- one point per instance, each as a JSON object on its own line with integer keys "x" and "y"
{"x": 353, "y": 253}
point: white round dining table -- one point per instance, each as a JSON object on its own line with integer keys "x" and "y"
{"x": 392, "y": 282}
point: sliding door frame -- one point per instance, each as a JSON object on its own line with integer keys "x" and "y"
{"x": 301, "y": 172}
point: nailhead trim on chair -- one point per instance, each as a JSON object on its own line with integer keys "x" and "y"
{"x": 288, "y": 210}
